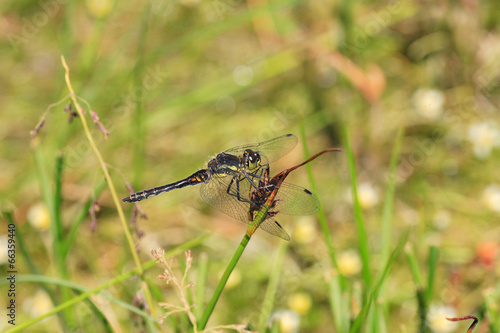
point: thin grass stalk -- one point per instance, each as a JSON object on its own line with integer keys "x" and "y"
{"x": 55, "y": 225}
{"x": 259, "y": 218}
{"x": 339, "y": 304}
{"x": 272, "y": 287}
{"x": 83, "y": 296}
{"x": 389, "y": 198}
{"x": 104, "y": 168}
{"x": 200, "y": 285}
{"x": 88, "y": 293}
{"x": 360, "y": 226}
{"x": 33, "y": 268}
{"x": 414, "y": 268}
{"x": 81, "y": 289}
{"x": 433, "y": 260}
{"x": 222, "y": 283}
{"x": 360, "y": 319}
{"x": 148, "y": 297}
{"x": 48, "y": 198}
{"x": 138, "y": 123}
{"x": 321, "y": 213}
{"x": 58, "y": 176}
{"x": 491, "y": 309}
{"x": 73, "y": 233}
{"x": 387, "y": 226}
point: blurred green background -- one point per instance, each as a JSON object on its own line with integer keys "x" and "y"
{"x": 175, "y": 82}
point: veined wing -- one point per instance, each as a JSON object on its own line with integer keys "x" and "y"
{"x": 270, "y": 150}
{"x": 295, "y": 200}
{"x": 225, "y": 193}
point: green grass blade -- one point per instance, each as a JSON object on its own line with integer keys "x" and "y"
{"x": 321, "y": 213}
{"x": 73, "y": 233}
{"x": 433, "y": 260}
{"x": 21, "y": 245}
{"x": 200, "y": 285}
{"x": 389, "y": 198}
{"x": 82, "y": 289}
{"x": 358, "y": 322}
{"x": 491, "y": 309}
{"x": 87, "y": 293}
{"x": 339, "y": 304}
{"x": 138, "y": 117}
{"x": 81, "y": 297}
{"x": 360, "y": 226}
{"x": 58, "y": 177}
{"x": 414, "y": 267}
{"x": 272, "y": 287}
{"x": 222, "y": 283}
{"x": 47, "y": 196}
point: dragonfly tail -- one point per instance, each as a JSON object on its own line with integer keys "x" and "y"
{"x": 196, "y": 178}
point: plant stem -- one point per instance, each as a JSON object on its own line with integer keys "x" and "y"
{"x": 211, "y": 305}
{"x": 104, "y": 168}
{"x": 360, "y": 226}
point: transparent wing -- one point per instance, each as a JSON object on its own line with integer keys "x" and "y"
{"x": 272, "y": 226}
{"x": 295, "y": 200}
{"x": 270, "y": 150}
{"x": 226, "y": 194}
{"x": 221, "y": 192}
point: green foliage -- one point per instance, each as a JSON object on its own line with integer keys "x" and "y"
{"x": 409, "y": 90}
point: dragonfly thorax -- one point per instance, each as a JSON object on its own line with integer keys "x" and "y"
{"x": 224, "y": 162}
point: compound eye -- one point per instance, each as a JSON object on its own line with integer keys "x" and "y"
{"x": 254, "y": 157}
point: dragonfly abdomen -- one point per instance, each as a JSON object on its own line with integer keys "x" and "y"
{"x": 198, "y": 177}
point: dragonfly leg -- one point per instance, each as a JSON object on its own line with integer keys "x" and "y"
{"x": 238, "y": 194}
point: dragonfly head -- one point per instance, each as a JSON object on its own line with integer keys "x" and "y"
{"x": 252, "y": 159}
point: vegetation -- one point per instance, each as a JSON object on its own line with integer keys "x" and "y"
{"x": 101, "y": 99}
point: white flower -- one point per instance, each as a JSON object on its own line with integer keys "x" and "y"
{"x": 491, "y": 197}
{"x": 436, "y": 318}
{"x": 442, "y": 219}
{"x": 289, "y": 321}
{"x": 38, "y": 216}
{"x": 349, "y": 262}
{"x": 428, "y": 103}
{"x": 484, "y": 137}
{"x": 38, "y": 304}
{"x": 367, "y": 195}
{"x": 3, "y": 245}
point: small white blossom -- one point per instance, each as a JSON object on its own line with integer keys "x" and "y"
{"x": 367, "y": 195}
{"x": 436, "y": 318}
{"x": 38, "y": 216}
{"x": 484, "y": 137}
{"x": 442, "y": 219}
{"x": 428, "y": 103}
{"x": 289, "y": 321}
{"x": 3, "y": 245}
{"x": 38, "y": 304}
{"x": 491, "y": 197}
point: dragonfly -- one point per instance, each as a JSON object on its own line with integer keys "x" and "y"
{"x": 231, "y": 176}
